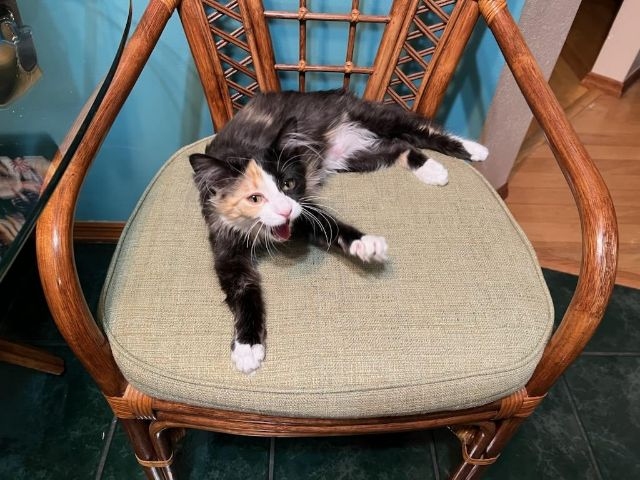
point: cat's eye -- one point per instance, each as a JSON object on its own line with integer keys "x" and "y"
{"x": 288, "y": 184}
{"x": 255, "y": 198}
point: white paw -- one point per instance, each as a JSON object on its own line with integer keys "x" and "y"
{"x": 247, "y": 358}
{"x": 478, "y": 152}
{"x": 369, "y": 247}
{"x": 432, "y": 173}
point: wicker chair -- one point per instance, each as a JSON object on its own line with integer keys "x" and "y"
{"x": 162, "y": 374}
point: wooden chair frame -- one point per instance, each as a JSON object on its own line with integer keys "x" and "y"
{"x": 153, "y": 424}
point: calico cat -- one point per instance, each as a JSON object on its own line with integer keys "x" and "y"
{"x": 259, "y": 179}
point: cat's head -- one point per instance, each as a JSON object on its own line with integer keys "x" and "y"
{"x": 257, "y": 193}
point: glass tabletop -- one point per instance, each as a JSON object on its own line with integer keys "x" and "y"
{"x": 46, "y": 70}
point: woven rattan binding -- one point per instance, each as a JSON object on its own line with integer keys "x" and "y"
{"x": 132, "y": 404}
{"x": 155, "y": 463}
{"x": 518, "y": 404}
{"x": 476, "y": 461}
{"x": 467, "y": 434}
{"x": 490, "y": 8}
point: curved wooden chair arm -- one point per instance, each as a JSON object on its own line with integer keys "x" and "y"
{"x": 54, "y": 234}
{"x": 597, "y": 215}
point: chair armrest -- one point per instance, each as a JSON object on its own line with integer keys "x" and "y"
{"x": 597, "y": 215}
{"x": 54, "y": 234}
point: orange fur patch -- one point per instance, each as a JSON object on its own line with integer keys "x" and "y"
{"x": 403, "y": 159}
{"x": 235, "y": 205}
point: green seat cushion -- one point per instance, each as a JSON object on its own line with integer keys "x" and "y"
{"x": 457, "y": 317}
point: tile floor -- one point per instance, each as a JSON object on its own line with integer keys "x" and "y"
{"x": 61, "y": 428}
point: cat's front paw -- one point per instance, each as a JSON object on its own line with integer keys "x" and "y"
{"x": 368, "y": 248}
{"x": 432, "y": 173}
{"x": 247, "y": 358}
{"x": 477, "y": 152}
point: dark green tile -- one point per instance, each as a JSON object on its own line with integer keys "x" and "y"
{"x": 199, "y": 456}
{"x": 51, "y": 427}
{"x": 377, "y": 457}
{"x": 549, "y": 445}
{"x": 26, "y": 316}
{"x": 92, "y": 262}
{"x": 212, "y": 456}
{"x": 607, "y": 395}
{"x": 121, "y": 462}
{"x": 29, "y": 321}
{"x": 619, "y": 330}
{"x": 561, "y": 286}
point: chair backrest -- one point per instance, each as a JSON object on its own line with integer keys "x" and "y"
{"x": 233, "y": 49}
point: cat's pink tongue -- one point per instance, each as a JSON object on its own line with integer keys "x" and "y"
{"x": 282, "y": 232}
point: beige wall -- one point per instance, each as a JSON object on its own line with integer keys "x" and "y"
{"x": 620, "y": 54}
{"x": 545, "y": 26}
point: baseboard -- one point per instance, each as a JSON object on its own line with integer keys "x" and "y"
{"x": 503, "y": 191}
{"x": 609, "y": 85}
{"x": 605, "y": 84}
{"x": 97, "y": 232}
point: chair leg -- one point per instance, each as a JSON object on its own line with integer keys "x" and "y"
{"x": 484, "y": 448}
{"x": 154, "y": 467}
{"x": 163, "y": 439}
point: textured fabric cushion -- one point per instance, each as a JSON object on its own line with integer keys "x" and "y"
{"x": 458, "y": 316}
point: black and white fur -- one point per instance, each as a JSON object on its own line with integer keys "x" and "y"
{"x": 260, "y": 176}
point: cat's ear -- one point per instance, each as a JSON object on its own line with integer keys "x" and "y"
{"x": 290, "y": 125}
{"x": 214, "y": 172}
{"x": 201, "y": 161}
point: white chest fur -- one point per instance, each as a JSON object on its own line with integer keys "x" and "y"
{"x": 344, "y": 141}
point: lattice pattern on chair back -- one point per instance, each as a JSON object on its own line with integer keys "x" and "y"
{"x": 421, "y": 41}
{"x": 240, "y": 57}
{"x": 229, "y": 33}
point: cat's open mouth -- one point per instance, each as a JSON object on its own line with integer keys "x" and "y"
{"x": 282, "y": 232}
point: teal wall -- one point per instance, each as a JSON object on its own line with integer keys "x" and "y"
{"x": 77, "y": 39}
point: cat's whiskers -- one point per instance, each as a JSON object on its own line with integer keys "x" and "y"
{"x": 239, "y": 158}
{"x": 314, "y": 202}
{"x": 328, "y": 218}
{"x": 302, "y": 140}
{"x": 297, "y": 139}
{"x": 203, "y": 183}
{"x": 255, "y": 239}
{"x": 242, "y": 173}
{"x": 319, "y": 209}
{"x": 312, "y": 218}
{"x": 291, "y": 159}
{"x": 314, "y": 222}
{"x": 286, "y": 145}
{"x": 248, "y": 233}
{"x": 269, "y": 242}
{"x": 311, "y": 214}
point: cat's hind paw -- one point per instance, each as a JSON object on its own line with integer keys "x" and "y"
{"x": 432, "y": 173}
{"x": 247, "y": 358}
{"x": 477, "y": 152}
{"x": 368, "y": 248}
